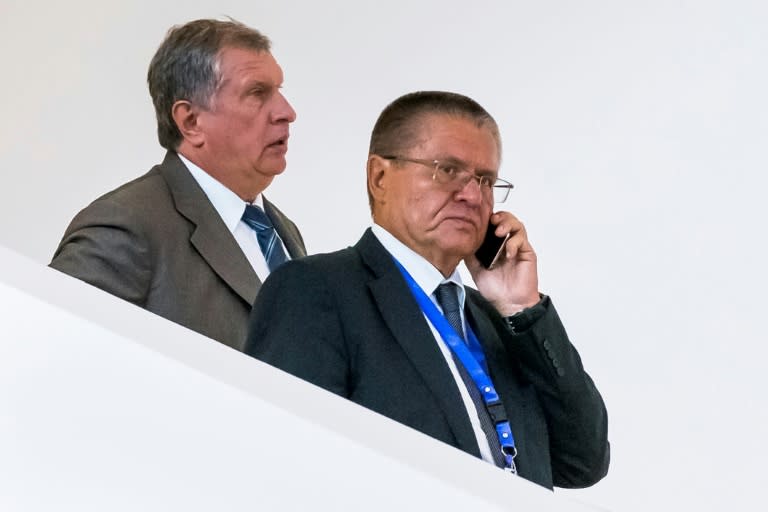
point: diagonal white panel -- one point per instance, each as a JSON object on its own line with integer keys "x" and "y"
{"x": 104, "y": 406}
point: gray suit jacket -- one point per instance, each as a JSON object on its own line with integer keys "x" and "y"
{"x": 158, "y": 242}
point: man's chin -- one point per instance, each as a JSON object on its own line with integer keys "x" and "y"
{"x": 272, "y": 167}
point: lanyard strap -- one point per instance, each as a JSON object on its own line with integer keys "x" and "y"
{"x": 470, "y": 356}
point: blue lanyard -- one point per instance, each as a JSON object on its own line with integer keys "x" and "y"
{"x": 470, "y": 356}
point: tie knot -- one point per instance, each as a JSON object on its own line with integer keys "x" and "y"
{"x": 256, "y": 218}
{"x": 448, "y": 297}
{"x": 269, "y": 242}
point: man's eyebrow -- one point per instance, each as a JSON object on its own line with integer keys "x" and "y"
{"x": 449, "y": 159}
{"x": 261, "y": 85}
{"x": 486, "y": 172}
{"x": 255, "y": 82}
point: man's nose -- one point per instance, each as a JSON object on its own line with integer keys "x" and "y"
{"x": 283, "y": 111}
{"x": 471, "y": 191}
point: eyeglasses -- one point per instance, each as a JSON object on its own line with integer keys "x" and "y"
{"x": 456, "y": 175}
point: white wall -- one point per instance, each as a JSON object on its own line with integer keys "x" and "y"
{"x": 636, "y": 134}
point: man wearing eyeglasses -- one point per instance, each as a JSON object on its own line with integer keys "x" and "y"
{"x": 389, "y": 324}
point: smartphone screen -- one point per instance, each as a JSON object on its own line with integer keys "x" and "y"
{"x": 491, "y": 249}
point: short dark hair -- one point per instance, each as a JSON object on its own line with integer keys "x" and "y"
{"x": 398, "y": 127}
{"x": 186, "y": 67}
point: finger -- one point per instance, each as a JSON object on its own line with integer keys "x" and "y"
{"x": 514, "y": 244}
{"x": 524, "y": 250}
{"x": 505, "y": 223}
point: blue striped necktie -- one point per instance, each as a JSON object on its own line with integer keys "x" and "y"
{"x": 269, "y": 242}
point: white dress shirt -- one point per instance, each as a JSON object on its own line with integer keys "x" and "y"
{"x": 429, "y": 278}
{"x": 230, "y": 208}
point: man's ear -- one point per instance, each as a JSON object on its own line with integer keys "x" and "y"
{"x": 378, "y": 170}
{"x": 186, "y": 117}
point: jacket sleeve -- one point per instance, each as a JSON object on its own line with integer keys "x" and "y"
{"x": 574, "y": 410}
{"x": 104, "y": 246}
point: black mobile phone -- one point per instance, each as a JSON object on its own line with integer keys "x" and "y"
{"x": 492, "y": 248}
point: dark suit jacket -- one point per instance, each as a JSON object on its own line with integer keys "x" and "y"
{"x": 158, "y": 242}
{"x": 347, "y": 322}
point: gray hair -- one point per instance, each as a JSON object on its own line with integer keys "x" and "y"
{"x": 186, "y": 67}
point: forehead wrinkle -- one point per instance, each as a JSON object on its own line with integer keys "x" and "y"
{"x": 258, "y": 61}
{"x": 454, "y": 139}
{"x": 481, "y": 124}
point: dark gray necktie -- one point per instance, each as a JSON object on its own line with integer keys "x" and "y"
{"x": 447, "y": 297}
{"x": 269, "y": 242}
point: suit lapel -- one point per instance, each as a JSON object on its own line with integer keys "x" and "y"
{"x": 286, "y": 229}
{"x": 405, "y": 320}
{"x": 210, "y": 237}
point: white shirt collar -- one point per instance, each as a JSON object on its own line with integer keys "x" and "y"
{"x": 423, "y": 272}
{"x": 229, "y": 205}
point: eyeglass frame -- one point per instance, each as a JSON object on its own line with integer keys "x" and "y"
{"x": 464, "y": 168}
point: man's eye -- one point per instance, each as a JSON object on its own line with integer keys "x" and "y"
{"x": 450, "y": 170}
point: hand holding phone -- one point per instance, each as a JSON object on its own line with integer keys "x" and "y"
{"x": 504, "y": 269}
{"x": 492, "y": 248}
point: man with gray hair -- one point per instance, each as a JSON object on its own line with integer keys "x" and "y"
{"x": 193, "y": 239}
